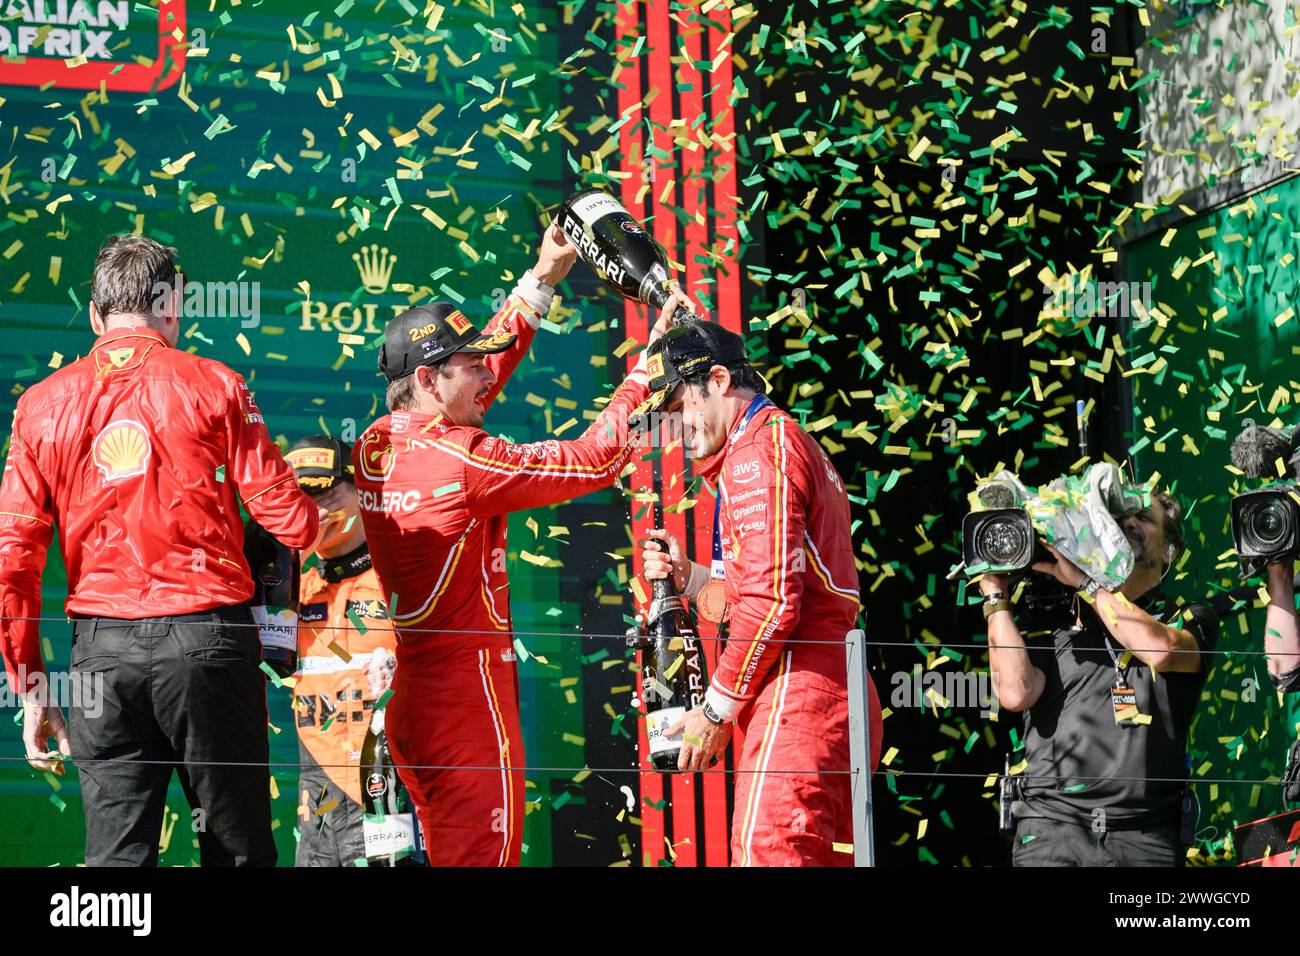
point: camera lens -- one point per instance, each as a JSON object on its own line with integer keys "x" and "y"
{"x": 1269, "y": 524}
{"x": 1003, "y": 541}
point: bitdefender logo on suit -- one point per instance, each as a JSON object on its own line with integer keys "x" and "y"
{"x": 77, "y": 909}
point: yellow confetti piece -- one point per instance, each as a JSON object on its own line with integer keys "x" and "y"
{"x": 179, "y": 165}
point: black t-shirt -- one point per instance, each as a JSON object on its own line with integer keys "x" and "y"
{"x": 1080, "y": 760}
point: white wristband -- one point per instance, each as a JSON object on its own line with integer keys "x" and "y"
{"x": 535, "y": 294}
{"x": 724, "y": 707}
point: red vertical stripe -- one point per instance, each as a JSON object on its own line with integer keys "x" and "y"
{"x": 659, "y": 42}
{"x": 722, "y": 161}
{"x": 628, "y": 28}
{"x": 694, "y": 193}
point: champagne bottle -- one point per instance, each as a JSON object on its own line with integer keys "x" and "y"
{"x": 618, "y": 249}
{"x": 392, "y": 834}
{"x": 673, "y": 680}
{"x": 275, "y": 597}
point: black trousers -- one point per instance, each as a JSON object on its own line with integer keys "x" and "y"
{"x": 183, "y": 693}
{"x": 335, "y": 837}
{"x": 1043, "y": 842}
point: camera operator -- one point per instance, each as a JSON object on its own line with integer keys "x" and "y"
{"x": 1281, "y": 633}
{"x": 1109, "y": 698}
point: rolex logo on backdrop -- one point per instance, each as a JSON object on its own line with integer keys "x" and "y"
{"x": 376, "y": 268}
{"x": 374, "y": 264}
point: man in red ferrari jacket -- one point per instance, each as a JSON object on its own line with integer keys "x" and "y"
{"x": 435, "y": 491}
{"x": 785, "y": 583}
{"x": 136, "y": 454}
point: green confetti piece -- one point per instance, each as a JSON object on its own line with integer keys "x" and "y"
{"x": 383, "y": 700}
{"x": 221, "y": 474}
{"x": 274, "y": 677}
{"x": 356, "y": 621}
{"x": 446, "y": 489}
{"x": 58, "y": 802}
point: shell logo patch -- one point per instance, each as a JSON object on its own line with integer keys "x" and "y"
{"x": 121, "y": 450}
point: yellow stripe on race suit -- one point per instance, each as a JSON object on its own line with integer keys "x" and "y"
{"x": 503, "y": 751}
{"x": 492, "y": 611}
{"x": 14, "y": 514}
{"x": 440, "y": 587}
{"x": 823, "y": 572}
{"x": 278, "y": 481}
{"x": 523, "y": 468}
{"x": 779, "y": 557}
{"x": 497, "y": 619}
{"x": 764, "y": 754}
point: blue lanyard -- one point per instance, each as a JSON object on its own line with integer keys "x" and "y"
{"x": 757, "y": 404}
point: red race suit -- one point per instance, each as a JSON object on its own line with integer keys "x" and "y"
{"x": 139, "y": 455}
{"x": 434, "y": 499}
{"x": 790, "y": 578}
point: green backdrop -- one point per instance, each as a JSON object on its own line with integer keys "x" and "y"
{"x": 1221, "y": 352}
{"x": 262, "y": 179}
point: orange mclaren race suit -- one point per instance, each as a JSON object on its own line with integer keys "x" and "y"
{"x": 342, "y": 626}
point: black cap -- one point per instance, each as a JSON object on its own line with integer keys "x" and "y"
{"x": 683, "y": 350}
{"x": 430, "y": 333}
{"x": 320, "y": 462}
